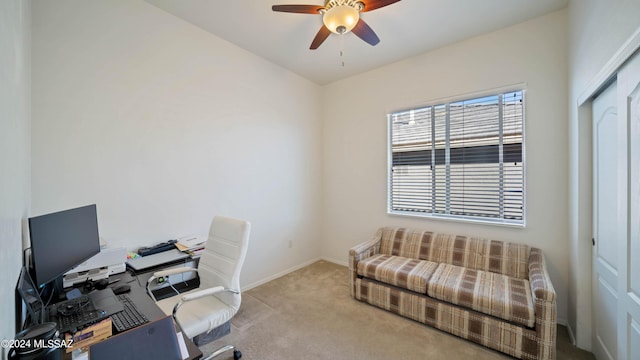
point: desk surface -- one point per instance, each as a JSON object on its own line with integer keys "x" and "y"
{"x": 145, "y": 304}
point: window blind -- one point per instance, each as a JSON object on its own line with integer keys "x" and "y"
{"x": 461, "y": 159}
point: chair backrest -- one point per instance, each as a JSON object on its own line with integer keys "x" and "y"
{"x": 224, "y": 254}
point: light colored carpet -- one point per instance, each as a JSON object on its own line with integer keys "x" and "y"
{"x": 309, "y": 314}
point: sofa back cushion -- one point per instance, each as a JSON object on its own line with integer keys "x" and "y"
{"x": 475, "y": 253}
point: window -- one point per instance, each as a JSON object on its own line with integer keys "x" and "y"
{"x": 459, "y": 160}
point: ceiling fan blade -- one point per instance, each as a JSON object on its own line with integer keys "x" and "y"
{"x": 376, "y": 4}
{"x": 299, "y": 9}
{"x": 364, "y": 32}
{"x": 321, "y": 36}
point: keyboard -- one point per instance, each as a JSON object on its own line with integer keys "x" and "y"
{"x": 128, "y": 318}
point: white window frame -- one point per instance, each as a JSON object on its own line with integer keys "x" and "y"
{"x": 454, "y": 217}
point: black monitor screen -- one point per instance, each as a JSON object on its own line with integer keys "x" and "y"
{"x": 62, "y": 240}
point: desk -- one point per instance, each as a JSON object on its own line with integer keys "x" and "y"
{"x": 145, "y": 304}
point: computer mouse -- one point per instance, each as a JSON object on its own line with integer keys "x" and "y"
{"x": 121, "y": 289}
{"x": 101, "y": 284}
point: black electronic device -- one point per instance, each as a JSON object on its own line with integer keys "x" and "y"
{"x": 121, "y": 289}
{"x": 165, "y": 246}
{"x": 106, "y": 300}
{"x": 75, "y": 314}
{"x": 31, "y": 339}
{"x": 62, "y": 240}
{"x": 35, "y": 307}
{"x": 99, "y": 284}
{"x": 151, "y": 341}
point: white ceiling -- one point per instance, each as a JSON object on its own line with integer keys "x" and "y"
{"x": 406, "y": 28}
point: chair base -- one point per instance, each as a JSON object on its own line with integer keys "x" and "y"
{"x": 236, "y": 353}
{"x": 220, "y": 331}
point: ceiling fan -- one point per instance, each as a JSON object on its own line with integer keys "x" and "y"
{"x": 340, "y": 17}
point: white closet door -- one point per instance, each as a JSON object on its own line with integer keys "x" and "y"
{"x": 629, "y": 280}
{"x": 608, "y": 220}
{"x": 616, "y": 217}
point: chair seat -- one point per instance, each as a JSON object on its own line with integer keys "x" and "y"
{"x": 198, "y": 316}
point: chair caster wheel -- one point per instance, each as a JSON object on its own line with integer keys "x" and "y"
{"x": 237, "y": 354}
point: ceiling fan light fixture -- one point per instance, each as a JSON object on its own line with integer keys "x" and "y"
{"x": 341, "y": 19}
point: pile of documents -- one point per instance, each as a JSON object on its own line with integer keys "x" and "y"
{"x": 192, "y": 245}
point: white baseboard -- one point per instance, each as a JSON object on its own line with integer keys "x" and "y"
{"x": 292, "y": 269}
{"x": 572, "y": 337}
{"x": 280, "y": 274}
{"x": 339, "y": 262}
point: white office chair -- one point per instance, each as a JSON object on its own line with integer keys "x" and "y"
{"x": 217, "y": 300}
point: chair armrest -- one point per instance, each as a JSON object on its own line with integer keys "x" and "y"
{"x": 539, "y": 280}
{"x": 200, "y": 294}
{"x": 173, "y": 271}
{"x": 205, "y": 292}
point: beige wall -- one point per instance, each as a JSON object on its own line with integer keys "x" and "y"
{"x": 597, "y": 29}
{"x": 15, "y": 84}
{"x": 164, "y": 125}
{"x": 533, "y": 53}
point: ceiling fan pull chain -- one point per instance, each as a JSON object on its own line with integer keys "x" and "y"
{"x": 342, "y": 50}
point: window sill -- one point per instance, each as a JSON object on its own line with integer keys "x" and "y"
{"x": 461, "y": 219}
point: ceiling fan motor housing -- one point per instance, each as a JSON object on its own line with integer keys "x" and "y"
{"x": 340, "y": 19}
{"x": 357, "y": 4}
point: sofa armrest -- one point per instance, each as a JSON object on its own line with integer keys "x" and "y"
{"x": 365, "y": 250}
{"x": 541, "y": 286}
{"x": 360, "y": 252}
{"x": 544, "y": 296}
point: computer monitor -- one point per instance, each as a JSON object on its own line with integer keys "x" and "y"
{"x": 62, "y": 240}
{"x": 35, "y": 309}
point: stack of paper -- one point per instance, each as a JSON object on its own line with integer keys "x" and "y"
{"x": 192, "y": 245}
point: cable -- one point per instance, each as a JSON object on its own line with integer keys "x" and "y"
{"x": 134, "y": 275}
{"x": 46, "y": 304}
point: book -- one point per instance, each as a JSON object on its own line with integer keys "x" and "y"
{"x": 89, "y": 335}
{"x": 192, "y": 245}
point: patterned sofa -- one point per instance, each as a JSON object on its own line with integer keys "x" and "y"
{"x": 495, "y": 293}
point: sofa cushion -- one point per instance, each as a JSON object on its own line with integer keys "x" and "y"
{"x": 399, "y": 271}
{"x": 494, "y": 294}
{"x": 470, "y": 252}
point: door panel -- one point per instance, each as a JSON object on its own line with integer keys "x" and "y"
{"x": 634, "y": 168}
{"x": 606, "y": 329}
{"x": 634, "y": 338}
{"x": 606, "y": 222}
{"x": 629, "y": 306}
{"x": 607, "y": 180}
